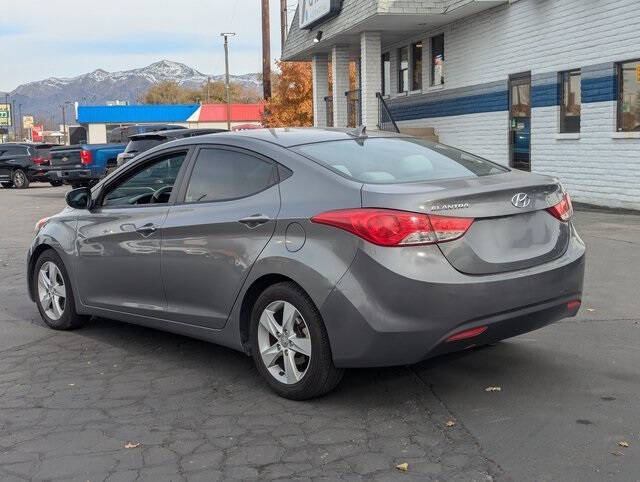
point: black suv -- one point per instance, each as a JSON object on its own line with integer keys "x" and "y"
{"x": 24, "y": 162}
{"x": 138, "y": 143}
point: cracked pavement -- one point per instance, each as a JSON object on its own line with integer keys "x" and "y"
{"x": 189, "y": 410}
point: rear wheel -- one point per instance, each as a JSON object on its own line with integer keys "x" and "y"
{"x": 290, "y": 345}
{"x": 20, "y": 179}
{"x": 55, "y": 183}
{"x": 54, "y": 295}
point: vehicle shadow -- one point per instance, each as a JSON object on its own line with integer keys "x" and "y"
{"x": 367, "y": 387}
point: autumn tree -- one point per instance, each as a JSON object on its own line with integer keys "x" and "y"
{"x": 211, "y": 92}
{"x": 168, "y": 93}
{"x": 291, "y": 103}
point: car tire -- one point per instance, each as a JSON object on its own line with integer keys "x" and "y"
{"x": 53, "y": 293}
{"x": 6, "y": 185}
{"x": 19, "y": 179}
{"x": 278, "y": 351}
{"x": 55, "y": 183}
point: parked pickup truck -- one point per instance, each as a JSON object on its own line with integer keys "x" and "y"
{"x": 83, "y": 164}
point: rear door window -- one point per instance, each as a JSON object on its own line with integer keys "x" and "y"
{"x": 221, "y": 174}
{"x": 396, "y": 159}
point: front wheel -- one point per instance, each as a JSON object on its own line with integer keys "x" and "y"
{"x": 55, "y": 183}
{"x": 54, "y": 295}
{"x": 20, "y": 179}
{"x": 290, "y": 345}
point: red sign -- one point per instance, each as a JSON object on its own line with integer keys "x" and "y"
{"x": 36, "y": 133}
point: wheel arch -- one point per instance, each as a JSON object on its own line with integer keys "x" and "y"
{"x": 250, "y": 296}
{"x": 33, "y": 259}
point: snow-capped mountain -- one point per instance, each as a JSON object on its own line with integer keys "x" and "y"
{"x": 44, "y": 97}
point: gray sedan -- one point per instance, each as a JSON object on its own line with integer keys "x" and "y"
{"x": 313, "y": 250}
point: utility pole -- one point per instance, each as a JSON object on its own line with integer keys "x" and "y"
{"x": 64, "y": 124}
{"x": 266, "y": 51}
{"x": 13, "y": 120}
{"x": 208, "y": 84}
{"x": 283, "y": 23}
{"x": 20, "y": 116}
{"x": 226, "y": 35}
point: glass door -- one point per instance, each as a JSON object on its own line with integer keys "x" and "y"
{"x": 520, "y": 121}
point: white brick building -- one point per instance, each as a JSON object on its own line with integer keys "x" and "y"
{"x": 547, "y": 85}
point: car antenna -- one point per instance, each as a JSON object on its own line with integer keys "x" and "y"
{"x": 359, "y": 132}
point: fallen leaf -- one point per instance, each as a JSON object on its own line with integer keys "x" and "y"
{"x": 450, "y": 423}
{"x": 131, "y": 445}
{"x": 617, "y": 454}
{"x": 71, "y": 384}
{"x": 623, "y": 443}
{"x": 590, "y": 309}
{"x": 403, "y": 467}
{"x": 493, "y": 389}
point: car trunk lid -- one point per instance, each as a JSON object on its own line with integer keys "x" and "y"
{"x": 511, "y": 229}
{"x": 65, "y": 157}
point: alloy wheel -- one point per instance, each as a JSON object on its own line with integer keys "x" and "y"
{"x": 51, "y": 290}
{"x": 284, "y": 342}
{"x": 19, "y": 179}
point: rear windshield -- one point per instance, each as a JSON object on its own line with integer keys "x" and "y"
{"x": 395, "y": 159}
{"x": 141, "y": 145}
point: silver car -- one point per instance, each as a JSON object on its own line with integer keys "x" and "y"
{"x": 313, "y": 250}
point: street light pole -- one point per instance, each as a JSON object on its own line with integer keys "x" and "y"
{"x": 226, "y": 35}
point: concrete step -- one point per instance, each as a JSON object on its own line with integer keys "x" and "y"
{"x": 427, "y": 133}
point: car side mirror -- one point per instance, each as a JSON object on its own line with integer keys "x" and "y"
{"x": 79, "y": 198}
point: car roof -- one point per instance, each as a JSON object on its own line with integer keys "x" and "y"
{"x": 294, "y": 136}
{"x": 174, "y": 133}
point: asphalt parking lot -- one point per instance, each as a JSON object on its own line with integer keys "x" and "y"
{"x": 119, "y": 402}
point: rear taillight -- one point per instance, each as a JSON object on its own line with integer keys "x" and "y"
{"x": 85, "y": 157}
{"x": 38, "y": 160}
{"x": 563, "y": 210}
{"x": 387, "y": 227}
{"x": 466, "y": 334}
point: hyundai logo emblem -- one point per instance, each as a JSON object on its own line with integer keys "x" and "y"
{"x": 521, "y": 200}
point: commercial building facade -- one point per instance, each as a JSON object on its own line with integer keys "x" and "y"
{"x": 99, "y": 119}
{"x": 547, "y": 85}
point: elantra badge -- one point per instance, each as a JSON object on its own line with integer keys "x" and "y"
{"x": 521, "y": 200}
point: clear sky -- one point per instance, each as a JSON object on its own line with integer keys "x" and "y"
{"x": 65, "y": 38}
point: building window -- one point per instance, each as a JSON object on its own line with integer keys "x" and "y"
{"x": 437, "y": 60}
{"x": 416, "y": 66}
{"x": 403, "y": 69}
{"x": 386, "y": 74}
{"x": 629, "y": 96}
{"x": 570, "y": 102}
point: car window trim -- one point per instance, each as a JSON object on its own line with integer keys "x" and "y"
{"x": 137, "y": 166}
{"x": 180, "y": 201}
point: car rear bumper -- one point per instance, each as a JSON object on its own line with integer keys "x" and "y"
{"x": 382, "y": 315}
{"x": 71, "y": 175}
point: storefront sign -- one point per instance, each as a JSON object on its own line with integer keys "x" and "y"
{"x": 36, "y": 133}
{"x": 311, "y": 12}
{"x": 5, "y": 114}
{"x": 27, "y": 121}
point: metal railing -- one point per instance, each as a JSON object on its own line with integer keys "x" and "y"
{"x": 385, "y": 118}
{"x": 328, "y": 102}
{"x": 354, "y": 108}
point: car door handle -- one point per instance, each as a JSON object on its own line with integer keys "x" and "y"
{"x": 146, "y": 229}
{"x": 254, "y": 220}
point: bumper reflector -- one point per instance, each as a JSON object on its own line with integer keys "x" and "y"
{"x": 463, "y": 335}
{"x": 572, "y": 305}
